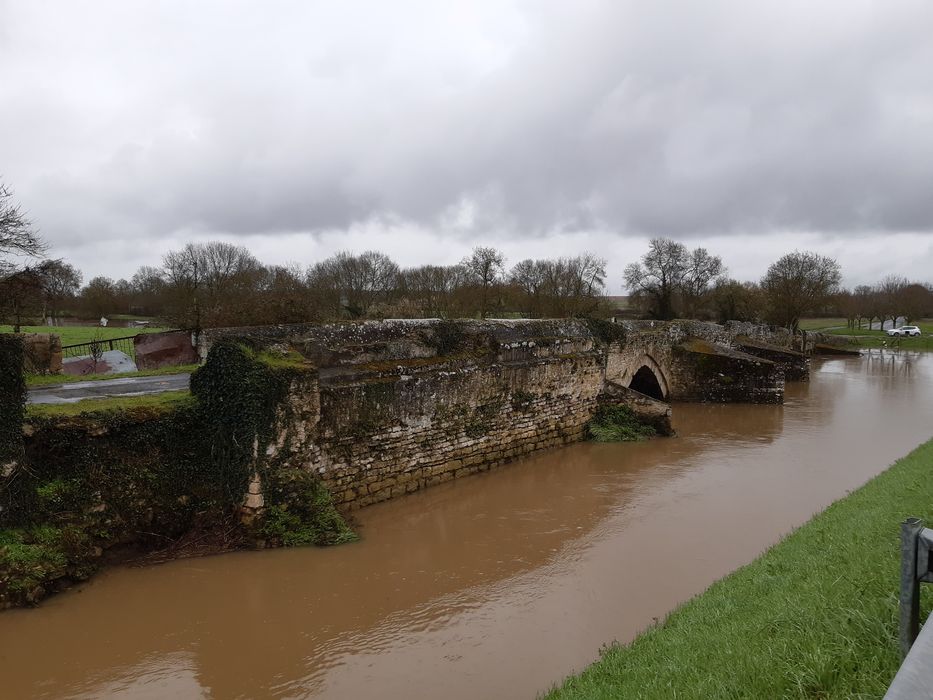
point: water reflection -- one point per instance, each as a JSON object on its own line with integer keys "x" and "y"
{"x": 495, "y": 585}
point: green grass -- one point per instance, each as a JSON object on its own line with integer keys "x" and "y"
{"x": 166, "y": 401}
{"x": 866, "y": 338}
{"x": 878, "y": 341}
{"x": 816, "y": 324}
{"x": 813, "y": 617}
{"x": 838, "y": 326}
{"x": 36, "y": 380}
{"x": 74, "y": 335}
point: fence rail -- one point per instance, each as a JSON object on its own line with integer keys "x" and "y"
{"x": 914, "y": 679}
{"x": 124, "y": 344}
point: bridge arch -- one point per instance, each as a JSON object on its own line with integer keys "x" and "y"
{"x": 647, "y": 377}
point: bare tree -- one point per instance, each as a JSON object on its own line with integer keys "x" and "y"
{"x": 565, "y": 287}
{"x": 528, "y": 279}
{"x": 96, "y": 349}
{"x": 864, "y": 303}
{"x": 286, "y": 297}
{"x": 890, "y": 292}
{"x": 434, "y": 290}
{"x": 21, "y": 294}
{"x": 353, "y": 284}
{"x": 702, "y": 270}
{"x": 99, "y": 297}
{"x": 799, "y": 283}
{"x": 61, "y": 283}
{"x": 736, "y": 301}
{"x": 149, "y": 290}
{"x": 17, "y": 236}
{"x": 211, "y": 284}
{"x": 669, "y": 272}
{"x": 484, "y": 266}
{"x": 915, "y": 300}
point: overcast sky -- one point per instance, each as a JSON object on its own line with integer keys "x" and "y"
{"x": 425, "y": 128}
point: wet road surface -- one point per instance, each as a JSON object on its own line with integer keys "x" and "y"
{"x": 101, "y": 388}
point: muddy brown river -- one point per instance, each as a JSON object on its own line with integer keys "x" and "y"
{"x": 493, "y": 586}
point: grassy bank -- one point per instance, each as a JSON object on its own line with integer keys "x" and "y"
{"x": 814, "y": 617}
{"x": 882, "y": 341}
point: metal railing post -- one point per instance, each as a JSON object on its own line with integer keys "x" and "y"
{"x": 909, "y": 607}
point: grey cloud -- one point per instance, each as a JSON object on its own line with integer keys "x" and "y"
{"x": 140, "y": 122}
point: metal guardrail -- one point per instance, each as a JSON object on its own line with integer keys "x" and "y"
{"x": 125, "y": 344}
{"x": 914, "y": 679}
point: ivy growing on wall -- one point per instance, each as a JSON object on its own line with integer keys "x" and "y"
{"x": 12, "y": 399}
{"x": 155, "y": 477}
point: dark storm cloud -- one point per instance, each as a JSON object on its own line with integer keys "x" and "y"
{"x": 131, "y": 122}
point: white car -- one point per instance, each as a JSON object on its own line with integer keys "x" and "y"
{"x": 904, "y": 330}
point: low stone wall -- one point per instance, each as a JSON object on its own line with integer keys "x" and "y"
{"x": 380, "y": 437}
{"x": 43, "y": 353}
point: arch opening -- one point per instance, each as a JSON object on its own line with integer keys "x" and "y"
{"x": 645, "y": 382}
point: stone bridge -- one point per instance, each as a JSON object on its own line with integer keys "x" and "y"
{"x": 394, "y": 406}
{"x": 695, "y": 361}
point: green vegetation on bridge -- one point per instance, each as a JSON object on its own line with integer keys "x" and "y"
{"x": 813, "y": 617}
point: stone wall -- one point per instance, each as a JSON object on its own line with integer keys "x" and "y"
{"x": 406, "y": 404}
{"x": 709, "y": 373}
{"x": 795, "y": 365}
{"x": 43, "y": 353}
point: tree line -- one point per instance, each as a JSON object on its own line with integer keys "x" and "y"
{"x": 220, "y": 284}
{"x": 672, "y": 281}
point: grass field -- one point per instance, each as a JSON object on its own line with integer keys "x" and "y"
{"x": 872, "y": 338}
{"x": 73, "y": 335}
{"x": 813, "y": 617}
{"x": 165, "y": 401}
{"x": 816, "y": 324}
{"x": 837, "y": 326}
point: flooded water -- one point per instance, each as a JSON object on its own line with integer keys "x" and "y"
{"x": 493, "y": 586}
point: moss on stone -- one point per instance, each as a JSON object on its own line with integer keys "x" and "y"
{"x": 618, "y": 424}
{"x": 146, "y": 407}
{"x": 522, "y": 400}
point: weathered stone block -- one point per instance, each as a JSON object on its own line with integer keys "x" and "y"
{"x": 156, "y": 350}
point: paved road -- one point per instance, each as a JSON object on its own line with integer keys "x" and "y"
{"x": 126, "y": 386}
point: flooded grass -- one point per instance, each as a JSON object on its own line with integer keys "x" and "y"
{"x": 815, "y": 616}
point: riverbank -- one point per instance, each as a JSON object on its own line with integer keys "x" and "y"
{"x": 815, "y": 616}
